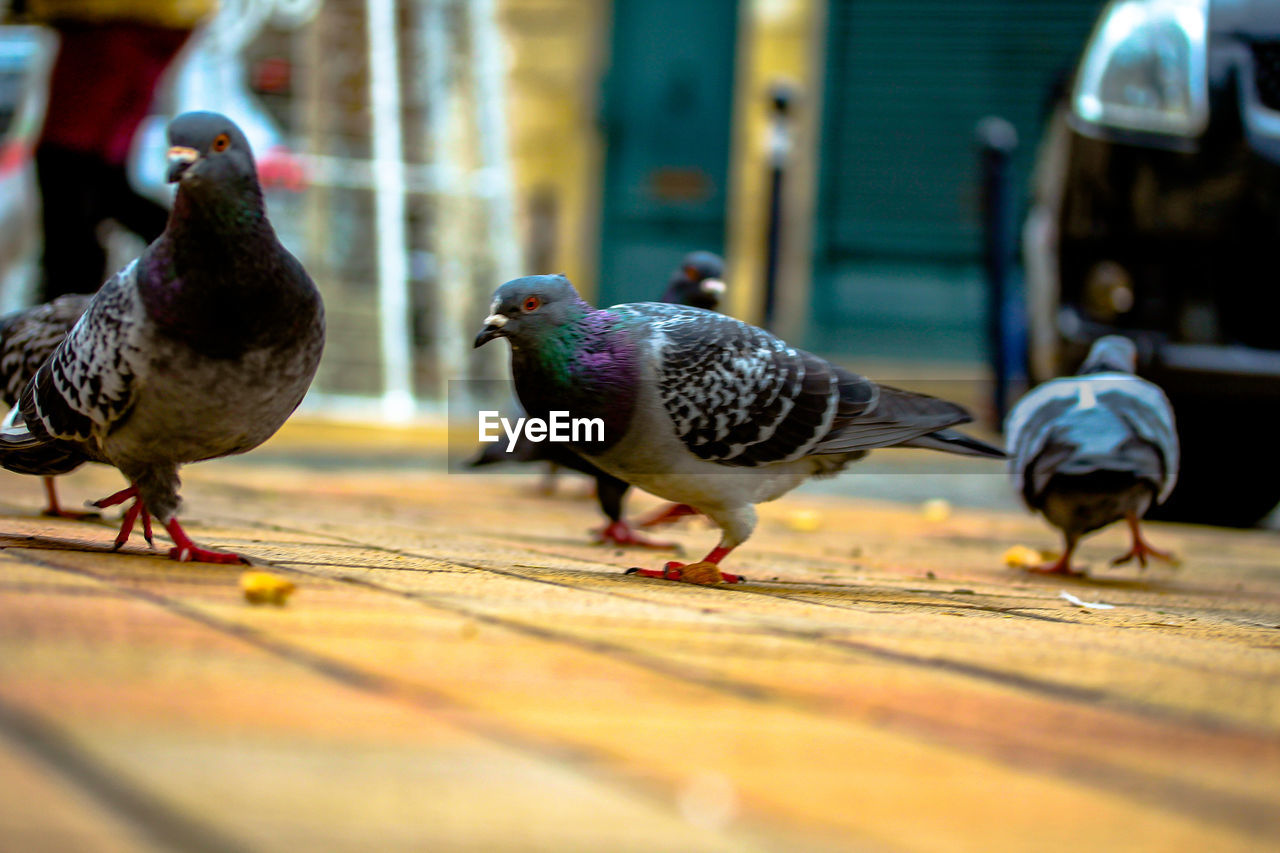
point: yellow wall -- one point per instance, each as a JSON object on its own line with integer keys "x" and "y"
{"x": 558, "y": 54}
{"x": 558, "y": 49}
{"x": 779, "y": 39}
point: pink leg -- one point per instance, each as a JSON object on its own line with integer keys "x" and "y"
{"x": 668, "y": 514}
{"x": 118, "y": 498}
{"x": 55, "y": 510}
{"x": 126, "y": 524}
{"x": 1061, "y": 566}
{"x": 1141, "y": 548}
{"x": 621, "y": 533}
{"x": 694, "y": 572}
{"x": 184, "y": 550}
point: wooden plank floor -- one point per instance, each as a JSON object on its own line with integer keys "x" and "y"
{"x": 461, "y": 670}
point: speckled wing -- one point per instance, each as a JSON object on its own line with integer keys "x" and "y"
{"x": 1138, "y": 405}
{"x": 29, "y": 337}
{"x": 737, "y": 395}
{"x": 87, "y": 385}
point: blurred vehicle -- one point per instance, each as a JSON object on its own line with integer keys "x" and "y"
{"x": 1156, "y": 214}
{"x": 25, "y": 56}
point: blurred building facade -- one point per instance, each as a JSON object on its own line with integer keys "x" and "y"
{"x": 606, "y": 138}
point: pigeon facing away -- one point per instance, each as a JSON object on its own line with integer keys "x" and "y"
{"x": 200, "y": 348}
{"x": 699, "y": 282}
{"x": 702, "y": 409}
{"x": 27, "y": 339}
{"x": 1091, "y": 449}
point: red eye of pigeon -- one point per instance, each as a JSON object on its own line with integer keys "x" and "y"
{"x": 221, "y": 142}
{"x": 532, "y": 303}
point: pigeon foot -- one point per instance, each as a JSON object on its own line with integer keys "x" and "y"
{"x": 704, "y": 573}
{"x": 186, "y": 551}
{"x": 135, "y": 511}
{"x": 55, "y": 510}
{"x": 1056, "y": 568}
{"x": 669, "y": 514}
{"x": 1060, "y": 566}
{"x": 621, "y": 533}
{"x": 1141, "y": 549}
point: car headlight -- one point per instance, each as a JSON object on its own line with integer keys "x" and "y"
{"x": 1144, "y": 69}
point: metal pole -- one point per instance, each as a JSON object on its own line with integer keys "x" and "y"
{"x": 997, "y": 140}
{"x": 389, "y": 211}
{"x": 781, "y": 98}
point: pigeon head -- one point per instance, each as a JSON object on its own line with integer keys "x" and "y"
{"x": 1112, "y": 353}
{"x": 699, "y": 283}
{"x": 207, "y": 149}
{"x": 525, "y": 309}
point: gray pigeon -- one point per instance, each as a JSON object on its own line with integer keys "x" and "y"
{"x": 200, "y": 348}
{"x": 700, "y": 408}
{"x": 27, "y": 339}
{"x": 1091, "y": 449}
{"x": 699, "y": 282}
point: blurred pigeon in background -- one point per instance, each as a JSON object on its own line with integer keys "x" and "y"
{"x": 700, "y": 408}
{"x": 27, "y": 339}
{"x": 200, "y": 348}
{"x": 699, "y": 282}
{"x": 1091, "y": 449}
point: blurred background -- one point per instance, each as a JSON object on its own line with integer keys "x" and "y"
{"x": 952, "y": 189}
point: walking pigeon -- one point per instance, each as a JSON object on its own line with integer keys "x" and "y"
{"x": 700, "y": 408}
{"x": 699, "y": 282}
{"x": 27, "y": 339}
{"x": 200, "y": 348}
{"x": 1091, "y": 449}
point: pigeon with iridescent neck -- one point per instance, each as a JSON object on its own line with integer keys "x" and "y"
{"x": 200, "y": 348}
{"x": 1092, "y": 449}
{"x": 702, "y": 409}
{"x": 699, "y": 283}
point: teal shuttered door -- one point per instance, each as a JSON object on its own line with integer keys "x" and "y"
{"x": 897, "y": 241}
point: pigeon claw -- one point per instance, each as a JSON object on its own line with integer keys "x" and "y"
{"x": 1140, "y": 552}
{"x": 196, "y": 554}
{"x": 186, "y": 551}
{"x": 668, "y": 515}
{"x": 1061, "y": 566}
{"x": 621, "y": 533}
{"x": 703, "y": 573}
{"x": 55, "y": 510}
{"x": 1141, "y": 548}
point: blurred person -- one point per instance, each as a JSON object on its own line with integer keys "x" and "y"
{"x": 111, "y": 57}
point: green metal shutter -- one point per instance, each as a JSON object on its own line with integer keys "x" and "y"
{"x": 906, "y": 83}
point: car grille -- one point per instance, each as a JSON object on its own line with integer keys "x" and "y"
{"x": 1266, "y": 72}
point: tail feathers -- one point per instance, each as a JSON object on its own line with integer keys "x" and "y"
{"x": 950, "y": 441}
{"x": 14, "y": 434}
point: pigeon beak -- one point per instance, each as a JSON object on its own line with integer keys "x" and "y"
{"x": 492, "y": 329}
{"x": 713, "y": 285}
{"x": 180, "y": 159}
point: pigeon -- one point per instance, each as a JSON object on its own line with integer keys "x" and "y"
{"x": 200, "y": 348}
{"x": 700, "y": 408}
{"x": 699, "y": 282}
{"x": 1091, "y": 449}
{"x": 27, "y": 339}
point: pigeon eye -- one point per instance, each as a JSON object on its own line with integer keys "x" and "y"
{"x": 222, "y": 142}
{"x": 532, "y": 303}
